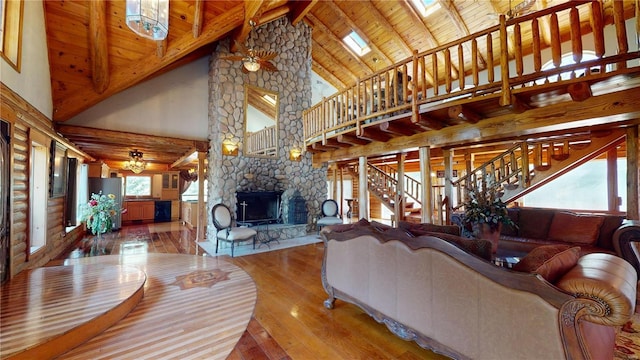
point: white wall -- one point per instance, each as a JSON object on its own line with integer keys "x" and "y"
{"x": 33, "y": 82}
{"x": 174, "y": 104}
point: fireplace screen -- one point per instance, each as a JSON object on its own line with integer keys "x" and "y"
{"x": 258, "y": 206}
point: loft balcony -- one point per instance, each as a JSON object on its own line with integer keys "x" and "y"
{"x": 487, "y": 80}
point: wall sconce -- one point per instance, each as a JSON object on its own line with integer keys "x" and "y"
{"x": 229, "y": 147}
{"x": 295, "y": 154}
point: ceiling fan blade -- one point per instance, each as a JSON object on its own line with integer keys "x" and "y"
{"x": 266, "y": 65}
{"x": 243, "y": 49}
{"x": 233, "y": 57}
{"x": 266, "y": 55}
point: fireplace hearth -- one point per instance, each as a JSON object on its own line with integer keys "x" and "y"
{"x": 258, "y": 207}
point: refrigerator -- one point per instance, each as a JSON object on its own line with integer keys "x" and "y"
{"x": 108, "y": 186}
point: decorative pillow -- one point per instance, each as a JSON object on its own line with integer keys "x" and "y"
{"x": 447, "y": 229}
{"x": 550, "y": 261}
{"x": 574, "y": 228}
{"x": 397, "y": 234}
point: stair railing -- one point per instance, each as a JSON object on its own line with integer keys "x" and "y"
{"x": 506, "y": 169}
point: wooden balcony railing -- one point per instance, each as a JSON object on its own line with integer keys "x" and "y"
{"x": 492, "y": 61}
{"x": 262, "y": 142}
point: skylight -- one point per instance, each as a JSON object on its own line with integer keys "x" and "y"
{"x": 426, "y": 7}
{"x": 355, "y": 42}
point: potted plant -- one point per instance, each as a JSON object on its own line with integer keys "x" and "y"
{"x": 485, "y": 211}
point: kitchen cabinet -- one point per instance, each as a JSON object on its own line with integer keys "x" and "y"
{"x": 139, "y": 210}
{"x": 98, "y": 169}
{"x": 170, "y": 184}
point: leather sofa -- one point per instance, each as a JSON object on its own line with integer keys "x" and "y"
{"x": 447, "y": 299}
{"x": 593, "y": 233}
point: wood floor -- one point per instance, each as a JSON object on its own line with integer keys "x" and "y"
{"x": 290, "y": 321}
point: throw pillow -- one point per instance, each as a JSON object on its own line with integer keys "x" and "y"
{"x": 380, "y": 226}
{"x": 550, "y": 261}
{"x": 574, "y": 228}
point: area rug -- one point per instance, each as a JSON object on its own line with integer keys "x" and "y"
{"x": 628, "y": 340}
{"x": 246, "y": 248}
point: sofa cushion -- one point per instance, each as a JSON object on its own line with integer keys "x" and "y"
{"x": 534, "y": 223}
{"x": 478, "y": 247}
{"x": 380, "y": 226}
{"x": 574, "y": 228}
{"x": 550, "y": 261}
{"x": 447, "y": 229}
{"x": 508, "y": 229}
{"x": 609, "y": 226}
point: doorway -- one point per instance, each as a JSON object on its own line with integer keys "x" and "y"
{"x": 4, "y": 201}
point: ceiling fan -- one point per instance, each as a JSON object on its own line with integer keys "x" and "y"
{"x": 522, "y": 8}
{"x": 252, "y": 59}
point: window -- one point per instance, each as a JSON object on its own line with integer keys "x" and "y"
{"x": 137, "y": 186}
{"x": 426, "y": 7}
{"x": 39, "y": 196}
{"x": 565, "y": 60}
{"x": 191, "y": 194}
{"x": 355, "y": 42}
{"x": 583, "y": 188}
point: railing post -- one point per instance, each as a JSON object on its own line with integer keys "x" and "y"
{"x": 363, "y": 188}
{"x": 524, "y": 155}
{"x": 448, "y": 176}
{"x": 505, "y": 99}
{"x": 414, "y": 87}
{"x": 425, "y": 179}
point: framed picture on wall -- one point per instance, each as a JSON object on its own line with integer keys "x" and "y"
{"x": 11, "y": 31}
{"x": 58, "y": 172}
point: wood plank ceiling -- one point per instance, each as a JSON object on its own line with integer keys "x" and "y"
{"x": 93, "y": 54}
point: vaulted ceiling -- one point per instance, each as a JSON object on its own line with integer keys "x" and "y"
{"x": 94, "y": 55}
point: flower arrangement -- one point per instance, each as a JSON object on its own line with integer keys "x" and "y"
{"x": 98, "y": 213}
{"x": 484, "y": 205}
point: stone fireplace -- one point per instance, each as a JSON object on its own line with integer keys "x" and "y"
{"x": 228, "y": 175}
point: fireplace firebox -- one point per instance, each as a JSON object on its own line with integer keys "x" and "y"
{"x": 258, "y": 207}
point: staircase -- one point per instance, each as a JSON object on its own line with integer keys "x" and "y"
{"x": 382, "y": 182}
{"x": 515, "y": 176}
{"x": 545, "y": 159}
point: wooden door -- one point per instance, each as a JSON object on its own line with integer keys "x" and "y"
{"x": 4, "y": 201}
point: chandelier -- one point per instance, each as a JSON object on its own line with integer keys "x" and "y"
{"x": 148, "y": 18}
{"x": 135, "y": 163}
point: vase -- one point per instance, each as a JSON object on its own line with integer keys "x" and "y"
{"x": 96, "y": 246}
{"x": 486, "y": 232}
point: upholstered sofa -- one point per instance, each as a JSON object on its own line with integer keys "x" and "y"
{"x": 611, "y": 234}
{"x": 454, "y": 302}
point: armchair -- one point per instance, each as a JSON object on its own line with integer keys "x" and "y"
{"x": 329, "y": 214}
{"x": 226, "y": 231}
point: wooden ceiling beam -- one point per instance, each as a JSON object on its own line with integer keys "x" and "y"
{"x": 341, "y": 67}
{"x": 252, "y": 11}
{"x": 344, "y": 18}
{"x": 198, "y": 18}
{"x": 99, "y": 52}
{"x": 131, "y": 74}
{"x": 319, "y": 25}
{"x": 327, "y": 75}
{"x": 300, "y": 9}
{"x": 135, "y": 140}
